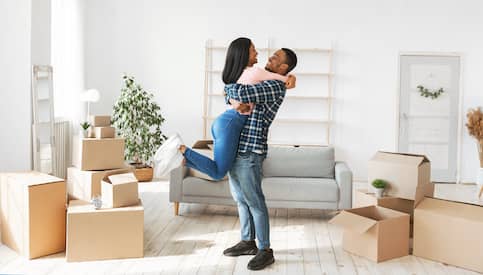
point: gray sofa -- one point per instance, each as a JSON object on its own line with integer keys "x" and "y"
{"x": 293, "y": 177}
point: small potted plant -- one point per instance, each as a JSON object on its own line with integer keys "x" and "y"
{"x": 379, "y": 186}
{"x": 85, "y": 127}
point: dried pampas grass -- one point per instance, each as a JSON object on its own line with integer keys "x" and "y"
{"x": 475, "y": 123}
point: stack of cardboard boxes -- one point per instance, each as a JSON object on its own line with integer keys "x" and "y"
{"x": 115, "y": 230}
{"x": 385, "y": 228}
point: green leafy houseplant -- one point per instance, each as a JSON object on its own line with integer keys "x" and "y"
{"x": 379, "y": 185}
{"x": 138, "y": 119}
{"x": 85, "y": 126}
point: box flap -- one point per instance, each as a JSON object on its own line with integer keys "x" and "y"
{"x": 32, "y": 178}
{"x": 122, "y": 178}
{"x": 454, "y": 209}
{"x": 400, "y": 158}
{"x": 79, "y": 206}
{"x": 353, "y": 222}
{"x": 202, "y": 144}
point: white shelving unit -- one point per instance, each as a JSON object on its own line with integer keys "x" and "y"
{"x": 305, "y": 117}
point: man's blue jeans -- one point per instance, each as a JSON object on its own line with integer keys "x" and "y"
{"x": 226, "y": 131}
{"x": 246, "y": 188}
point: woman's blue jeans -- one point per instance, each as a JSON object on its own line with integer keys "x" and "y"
{"x": 226, "y": 131}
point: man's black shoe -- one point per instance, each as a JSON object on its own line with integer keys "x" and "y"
{"x": 263, "y": 259}
{"x": 242, "y": 248}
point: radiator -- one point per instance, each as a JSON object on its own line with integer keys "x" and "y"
{"x": 63, "y": 148}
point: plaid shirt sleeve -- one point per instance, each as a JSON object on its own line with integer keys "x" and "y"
{"x": 265, "y": 92}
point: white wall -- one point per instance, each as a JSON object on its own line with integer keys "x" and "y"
{"x": 67, "y": 53}
{"x": 162, "y": 44}
{"x": 15, "y": 58}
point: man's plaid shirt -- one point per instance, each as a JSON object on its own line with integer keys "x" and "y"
{"x": 267, "y": 96}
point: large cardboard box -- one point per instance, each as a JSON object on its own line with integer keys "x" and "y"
{"x": 407, "y": 174}
{"x": 107, "y": 233}
{"x": 98, "y": 154}
{"x": 32, "y": 213}
{"x": 100, "y": 121}
{"x": 374, "y": 232}
{"x": 204, "y": 147}
{"x": 449, "y": 232}
{"x": 119, "y": 190}
{"x": 84, "y": 185}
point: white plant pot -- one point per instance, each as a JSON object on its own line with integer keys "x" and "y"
{"x": 379, "y": 192}
{"x": 84, "y": 133}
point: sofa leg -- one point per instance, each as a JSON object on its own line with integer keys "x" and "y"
{"x": 176, "y": 208}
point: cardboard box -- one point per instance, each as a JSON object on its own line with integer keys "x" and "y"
{"x": 363, "y": 198}
{"x": 374, "y": 232}
{"x": 98, "y": 154}
{"x": 112, "y": 233}
{"x": 119, "y": 190}
{"x": 204, "y": 147}
{"x": 100, "y": 121}
{"x": 105, "y": 132}
{"x": 32, "y": 213}
{"x": 449, "y": 232}
{"x": 84, "y": 185}
{"x": 406, "y": 174}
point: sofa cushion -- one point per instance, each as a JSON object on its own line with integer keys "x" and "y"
{"x": 193, "y": 186}
{"x": 303, "y": 161}
{"x": 300, "y": 189}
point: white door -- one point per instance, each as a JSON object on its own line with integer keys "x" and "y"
{"x": 429, "y": 125}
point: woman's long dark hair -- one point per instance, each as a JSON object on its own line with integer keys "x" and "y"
{"x": 236, "y": 59}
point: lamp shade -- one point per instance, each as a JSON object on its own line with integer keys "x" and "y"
{"x": 91, "y": 95}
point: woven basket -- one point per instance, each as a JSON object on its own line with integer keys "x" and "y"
{"x": 144, "y": 174}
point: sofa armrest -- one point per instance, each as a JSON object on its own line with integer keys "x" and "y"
{"x": 175, "y": 183}
{"x": 343, "y": 177}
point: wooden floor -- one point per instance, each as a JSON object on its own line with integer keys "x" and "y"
{"x": 303, "y": 243}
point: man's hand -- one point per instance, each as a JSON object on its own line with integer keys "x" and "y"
{"x": 242, "y": 108}
{"x": 290, "y": 81}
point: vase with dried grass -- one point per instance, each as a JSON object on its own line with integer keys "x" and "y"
{"x": 475, "y": 129}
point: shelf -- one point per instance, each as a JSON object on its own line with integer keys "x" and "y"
{"x": 297, "y": 145}
{"x": 285, "y": 120}
{"x": 428, "y": 142}
{"x": 427, "y": 116}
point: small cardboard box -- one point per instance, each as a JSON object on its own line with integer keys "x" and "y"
{"x": 119, "y": 190}
{"x": 112, "y": 233}
{"x": 98, "y": 154}
{"x": 84, "y": 185}
{"x": 204, "y": 147}
{"x": 100, "y": 121}
{"x": 449, "y": 232}
{"x": 374, "y": 232}
{"x": 32, "y": 213}
{"x": 406, "y": 174}
{"x": 104, "y": 132}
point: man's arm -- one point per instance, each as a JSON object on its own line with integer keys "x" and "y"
{"x": 265, "y": 92}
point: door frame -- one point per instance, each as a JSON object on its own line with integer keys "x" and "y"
{"x": 459, "y": 140}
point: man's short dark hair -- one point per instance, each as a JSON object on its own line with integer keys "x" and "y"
{"x": 291, "y": 59}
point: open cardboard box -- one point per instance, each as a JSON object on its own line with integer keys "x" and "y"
{"x": 32, "y": 213}
{"x": 407, "y": 174}
{"x": 449, "y": 232}
{"x": 374, "y": 232}
{"x": 107, "y": 233}
{"x": 97, "y": 154}
{"x": 119, "y": 190}
{"x": 204, "y": 147}
{"x": 84, "y": 185}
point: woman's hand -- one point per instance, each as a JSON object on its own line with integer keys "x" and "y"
{"x": 290, "y": 83}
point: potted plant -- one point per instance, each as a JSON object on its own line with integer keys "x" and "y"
{"x": 85, "y": 127}
{"x": 379, "y": 186}
{"x": 138, "y": 119}
{"x": 475, "y": 129}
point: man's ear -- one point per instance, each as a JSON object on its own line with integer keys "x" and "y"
{"x": 284, "y": 67}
